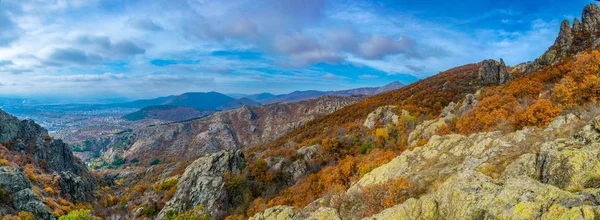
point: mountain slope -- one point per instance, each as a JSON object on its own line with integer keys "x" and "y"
{"x": 227, "y": 130}
{"x": 514, "y": 154}
{"x": 238, "y": 103}
{"x": 31, "y": 160}
{"x": 304, "y": 95}
{"x": 142, "y": 103}
{"x": 166, "y": 113}
{"x": 199, "y": 100}
{"x": 260, "y": 97}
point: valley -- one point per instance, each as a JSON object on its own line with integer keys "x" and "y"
{"x": 482, "y": 140}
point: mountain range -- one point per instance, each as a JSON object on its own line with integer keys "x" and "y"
{"x": 197, "y": 104}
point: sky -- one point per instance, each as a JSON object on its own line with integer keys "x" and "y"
{"x": 102, "y": 49}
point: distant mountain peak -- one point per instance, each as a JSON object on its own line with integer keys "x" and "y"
{"x": 389, "y": 87}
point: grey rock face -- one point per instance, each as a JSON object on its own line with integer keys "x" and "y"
{"x": 565, "y": 38}
{"x": 277, "y": 213}
{"x": 576, "y": 26}
{"x": 203, "y": 183}
{"x": 14, "y": 182}
{"x": 591, "y": 17}
{"x": 494, "y": 72}
{"x": 75, "y": 186}
{"x": 382, "y": 115}
{"x": 28, "y": 137}
{"x": 469, "y": 103}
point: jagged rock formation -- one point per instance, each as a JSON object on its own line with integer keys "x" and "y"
{"x": 427, "y": 129}
{"x": 571, "y": 40}
{"x": 493, "y": 72}
{"x": 28, "y": 139}
{"x": 382, "y": 116}
{"x": 469, "y": 103}
{"x": 294, "y": 170}
{"x": 228, "y": 130}
{"x": 203, "y": 183}
{"x": 591, "y": 17}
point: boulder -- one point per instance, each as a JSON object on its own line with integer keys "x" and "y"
{"x": 560, "y": 121}
{"x": 382, "y": 116}
{"x": 493, "y": 72}
{"x": 277, "y": 213}
{"x": 325, "y": 213}
{"x": 470, "y": 102}
{"x": 450, "y": 109}
{"x": 203, "y": 183}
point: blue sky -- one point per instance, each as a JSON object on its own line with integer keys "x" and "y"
{"x": 147, "y": 48}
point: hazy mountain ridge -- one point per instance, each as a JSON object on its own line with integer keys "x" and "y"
{"x": 227, "y": 130}
{"x": 214, "y": 101}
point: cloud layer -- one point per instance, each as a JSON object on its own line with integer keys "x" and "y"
{"x": 145, "y": 48}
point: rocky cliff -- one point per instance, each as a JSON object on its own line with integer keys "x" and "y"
{"x": 30, "y": 158}
{"x": 203, "y": 184}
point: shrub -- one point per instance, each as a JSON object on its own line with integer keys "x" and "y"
{"x": 166, "y": 185}
{"x": 382, "y": 196}
{"x": 3, "y": 162}
{"x": 540, "y": 114}
{"x": 140, "y": 188}
{"x": 3, "y": 196}
{"x": 330, "y": 144}
{"x": 134, "y": 160}
{"x": 82, "y": 214}
{"x": 118, "y": 161}
{"x": 30, "y": 173}
{"x": 26, "y": 215}
{"x": 149, "y": 211}
{"x": 49, "y": 190}
{"x": 195, "y": 214}
{"x": 154, "y": 162}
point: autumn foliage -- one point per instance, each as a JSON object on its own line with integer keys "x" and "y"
{"x": 536, "y": 99}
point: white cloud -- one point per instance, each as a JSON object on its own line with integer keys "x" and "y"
{"x": 368, "y": 76}
{"x": 79, "y": 77}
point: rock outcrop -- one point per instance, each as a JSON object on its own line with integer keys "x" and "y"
{"x": 571, "y": 40}
{"x": 294, "y": 170}
{"x": 14, "y": 183}
{"x": 203, "y": 183}
{"x": 25, "y": 138}
{"x": 493, "y": 72}
{"x": 560, "y": 181}
{"x": 383, "y": 116}
{"x": 591, "y": 17}
{"x": 472, "y": 195}
{"x": 277, "y": 213}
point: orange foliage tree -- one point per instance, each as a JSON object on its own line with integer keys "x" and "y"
{"x": 540, "y": 114}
